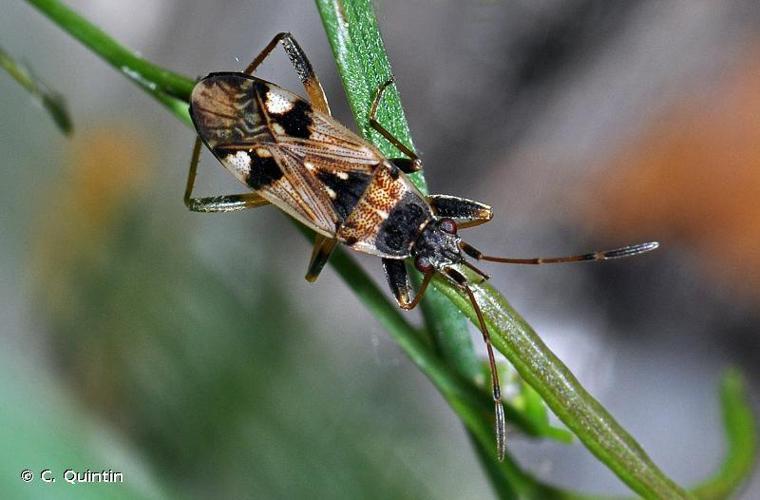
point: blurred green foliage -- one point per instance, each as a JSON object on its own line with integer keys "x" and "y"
{"x": 50, "y": 100}
{"x": 208, "y": 379}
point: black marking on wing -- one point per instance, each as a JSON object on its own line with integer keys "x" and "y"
{"x": 401, "y": 228}
{"x": 261, "y": 88}
{"x": 296, "y": 121}
{"x": 348, "y": 188}
{"x": 264, "y": 171}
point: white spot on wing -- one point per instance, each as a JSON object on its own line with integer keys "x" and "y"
{"x": 277, "y": 103}
{"x": 309, "y": 166}
{"x": 330, "y": 193}
{"x": 342, "y": 175}
{"x": 239, "y": 163}
{"x": 277, "y": 128}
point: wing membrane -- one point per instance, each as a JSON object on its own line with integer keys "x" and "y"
{"x": 304, "y": 162}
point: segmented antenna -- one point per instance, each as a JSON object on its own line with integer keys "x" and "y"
{"x": 600, "y": 255}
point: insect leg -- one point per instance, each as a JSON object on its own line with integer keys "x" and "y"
{"x": 225, "y": 203}
{"x": 302, "y": 66}
{"x": 412, "y": 165}
{"x": 406, "y": 165}
{"x": 466, "y": 213}
{"x": 398, "y": 281}
{"x": 401, "y": 287}
{"x": 323, "y": 248}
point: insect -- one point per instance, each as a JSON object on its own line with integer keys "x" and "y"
{"x": 291, "y": 153}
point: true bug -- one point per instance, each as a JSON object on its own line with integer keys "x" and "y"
{"x": 291, "y": 153}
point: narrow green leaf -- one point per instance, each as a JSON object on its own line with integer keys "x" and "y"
{"x": 50, "y": 100}
{"x": 532, "y": 405}
{"x": 741, "y": 436}
{"x": 171, "y": 89}
{"x": 562, "y": 392}
{"x": 363, "y": 65}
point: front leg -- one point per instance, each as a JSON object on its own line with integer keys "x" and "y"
{"x": 466, "y": 213}
{"x": 401, "y": 287}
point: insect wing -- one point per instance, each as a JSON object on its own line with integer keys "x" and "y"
{"x": 273, "y": 141}
{"x": 341, "y": 162}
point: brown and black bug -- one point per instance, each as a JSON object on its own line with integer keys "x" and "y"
{"x": 291, "y": 153}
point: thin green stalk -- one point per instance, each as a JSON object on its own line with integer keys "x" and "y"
{"x": 741, "y": 435}
{"x": 449, "y": 329}
{"x": 352, "y": 30}
{"x": 450, "y": 333}
{"x": 363, "y": 65}
{"x": 171, "y": 89}
{"x": 468, "y": 402}
{"x": 51, "y": 101}
{"x": 562, "y": 392}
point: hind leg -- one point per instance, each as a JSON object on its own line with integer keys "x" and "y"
{"x": 302, "y": 66}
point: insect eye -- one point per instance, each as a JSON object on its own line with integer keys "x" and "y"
{"x": 423, "y": 264}
{"x": 448, "y": 225}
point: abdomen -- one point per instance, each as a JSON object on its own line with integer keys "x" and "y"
{"x": 388, "y": 218}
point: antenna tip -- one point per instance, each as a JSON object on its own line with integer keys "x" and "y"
{"x": 628, "y": 251}
{"x": 501, "y": 431}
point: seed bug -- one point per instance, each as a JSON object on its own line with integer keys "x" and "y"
{"x": 291, "y": 153}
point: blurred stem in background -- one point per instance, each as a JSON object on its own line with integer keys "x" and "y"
{"x": 363, "y": 64}
{"x": 50, "y": 100}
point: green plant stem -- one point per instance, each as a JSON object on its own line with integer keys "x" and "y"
{"x": 363, "y": 66}
{"x": 562, "y": 392}
{"x": 348, "y": 24}
{"x": 469, "y": 404}
{"x": 449, "y": 330}
{"x": 50, "y": 100}
{"x": 171, "y": 89}
{"x": 741, "y": 435}
{"x": 451, "y": 336}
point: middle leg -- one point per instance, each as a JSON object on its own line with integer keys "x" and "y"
{"x": 413, "y": 163}
{"x": 401, "y": 287}
{"x": 224, "y": 203}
